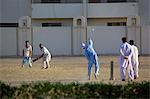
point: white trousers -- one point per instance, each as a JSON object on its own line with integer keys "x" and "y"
{"x": 136, "y": 68}
{"x": 126, "y": 65}
{"x": 46, "y": 60}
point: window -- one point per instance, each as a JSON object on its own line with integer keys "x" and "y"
{"x": 94, "y": 1}
{"x": 50, "y": 1}
{"x": 8, "y": 24}
{"x": 51, "y": 24}
{"x": 111, "y": 1}
{"x": 116, "y": 24}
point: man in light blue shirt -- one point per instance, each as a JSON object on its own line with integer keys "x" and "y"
{"x": 91, "y": 56}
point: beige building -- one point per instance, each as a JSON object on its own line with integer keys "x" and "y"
{"x": 62, "y": 25}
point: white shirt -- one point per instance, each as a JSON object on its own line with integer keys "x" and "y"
{"x": 135, "y": 53}
{"x": 27, "y": 51}
{"x": 126, "y": 50}
{"x": 45, "y": 52}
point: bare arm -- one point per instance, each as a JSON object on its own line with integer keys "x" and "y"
{"x": 30, "y": 53}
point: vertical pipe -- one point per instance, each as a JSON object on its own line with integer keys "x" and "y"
{"x": 17, "y": 44}
{"x": 72, "y": 49}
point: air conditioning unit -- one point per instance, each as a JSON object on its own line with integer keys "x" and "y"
{"x": 133, "y": 21}
{"x": 25, "y": 22}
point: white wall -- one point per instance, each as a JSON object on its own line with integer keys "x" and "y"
{"x": 94, "y": 10}
{"x": 9, "y": 41}
{"x": 112, "y": 10}
{"x": 144, "y": 12}
{"x": 0, "y": 28}
{"x": 0, "y": 42}
{"x": 56, "y": 39}
{"x": 0, "y": 11}
{"x": 145, "y": 40}
{"x": 56, "y": 10}
{"x": 12, "y": 10}
{"x": 107, "y": 39}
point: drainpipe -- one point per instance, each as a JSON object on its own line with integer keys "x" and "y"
{"x": 85, "y": 14}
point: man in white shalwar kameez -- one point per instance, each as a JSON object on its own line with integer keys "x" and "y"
{"x": 46, "y": 56}
{"x": 125, "y": 60}
{"x": 134, "y": 59}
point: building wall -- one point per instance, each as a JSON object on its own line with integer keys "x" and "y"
{"x": 0, "y": 28}
{"x": 112, "y": 10}
{"x": 56, "y": 39}
{"x": 56, "y": 10}
{"x": 144, "y": 12}
{"x": 145, "y": 36}
{"x": 62, "y": 1}
{"x": 94, "y": 10}
{"x": 9, "y": 41}
{"x": 69, "y": 22}
{"x": 0, "y": 42}
{"x": 107, "y": 40}
{"x": 12, "y": 10}
{"x": 0, "y": 11}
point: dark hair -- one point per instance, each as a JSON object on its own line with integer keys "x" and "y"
{"x": 40, "y": 45}
{"x": 131, "y": 42}
{"x": 26, "y": 41}
{"x": 124, "y": 39}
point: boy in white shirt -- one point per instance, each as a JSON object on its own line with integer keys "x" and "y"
{"x": 27, "y": 54}
{"x": 134, "y": 59}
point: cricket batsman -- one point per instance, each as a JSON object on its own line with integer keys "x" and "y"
{"x": 27, "y": 54}
{"x": 45, "y": 55}
{"x": 91, "y": 56}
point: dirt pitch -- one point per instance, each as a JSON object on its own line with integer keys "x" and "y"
{"x": 66, "y": 69}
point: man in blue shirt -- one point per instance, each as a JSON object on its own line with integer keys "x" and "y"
{"x": 91, "y": 56}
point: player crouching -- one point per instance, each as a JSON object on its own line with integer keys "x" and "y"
{"x": 45, "y": 55}
{"x": 27, "y": 53}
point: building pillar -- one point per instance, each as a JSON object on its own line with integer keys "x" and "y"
{"x": 24, "y": 33}
{"x": 134, "y": 30}
{"x": 79, "y": 34}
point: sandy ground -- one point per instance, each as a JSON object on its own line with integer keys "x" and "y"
{"x": 66, "y": 69}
